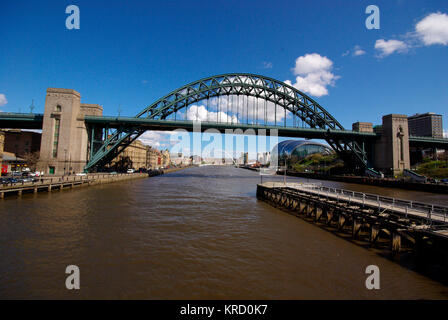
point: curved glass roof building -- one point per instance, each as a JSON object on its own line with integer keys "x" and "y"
{"x": 292, "y": 151}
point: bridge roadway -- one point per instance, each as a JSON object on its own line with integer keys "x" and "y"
{"x": 34, "y": 121}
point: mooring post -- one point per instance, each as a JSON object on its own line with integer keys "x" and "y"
{"x": 374, "y": 232}
{"x": 329, "y": 215}
{"x": 318, "y": 214}
{"x": 396, "y": 242}
{"x": 341, "y": 221}
{"x": 356, "y": 227}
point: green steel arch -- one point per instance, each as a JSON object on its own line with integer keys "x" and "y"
{"x": 281, "y": 94}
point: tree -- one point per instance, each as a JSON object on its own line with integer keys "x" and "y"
{"x": 31, "y": 159}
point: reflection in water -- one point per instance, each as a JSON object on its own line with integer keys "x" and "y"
{"x": 196, "y": 233}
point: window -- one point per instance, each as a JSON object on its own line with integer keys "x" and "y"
{"x": 58, "y": 108}
{"x": 51, "y": 170}
{"x": 57, "y": 123}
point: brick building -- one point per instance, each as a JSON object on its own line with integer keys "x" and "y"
{"x": 133, "y": 157}
{"x": 21, "y": 142}
{"x": 426, "y": 125}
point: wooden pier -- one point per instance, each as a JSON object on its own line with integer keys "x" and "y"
{"x": 60, "y": 183}
{"x": 395, "y": 224}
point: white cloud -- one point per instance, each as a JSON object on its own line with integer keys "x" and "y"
{"x": 358, "y": 51}
{"x": 201, "y": 113}
{"x": 314, "y": 74}
{"x": 158, "y": 139}
{"x": 236, "y": 110}
{"x": 387, "y": 47}
{"x": 267, "y": 65}
{"x": 310, "y": 63}
{"x": 433, "y": 29}
{"x": 445, "y": 133}
{"x": 3, "y": 99}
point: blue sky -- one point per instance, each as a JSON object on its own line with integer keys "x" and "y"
{"x": 130, "y": 53}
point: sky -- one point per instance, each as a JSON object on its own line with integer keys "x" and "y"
{"x": 127, "y": 54}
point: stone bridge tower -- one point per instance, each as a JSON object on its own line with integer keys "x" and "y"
{"x": 392, "y": 149}
{"x": 64, "y": 133}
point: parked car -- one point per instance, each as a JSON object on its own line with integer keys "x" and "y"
{"x": 130, "y": 171}
{"x": 445, "y": 181}
{"x": 7, "y": 181}
{"x": 81, "y": 174}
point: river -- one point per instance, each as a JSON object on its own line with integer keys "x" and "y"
{"x": 198, "y": 233}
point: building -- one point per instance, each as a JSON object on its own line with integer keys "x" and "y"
{"x": 263, "y": 157}
{"x": 362, "y": 127}
{"x": 21, "y": 142}
{"x": 179, "y": 159}
{"x": 10, "y": 162}
{"x": 153, "y": 158}
{"x": 426, "y": 125}
{"x": 64, "y": 144}
{"x": 133, "y": 157}
{"x": 245, "y": 158}
{"x": 166, "y": 158}
{"x": 292, "y": 151}
{"x": 2, "y": 144}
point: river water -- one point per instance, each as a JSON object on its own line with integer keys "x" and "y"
{"x": 199, "y": 233}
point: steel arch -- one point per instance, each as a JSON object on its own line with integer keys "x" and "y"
{"x": 286, "y": 96}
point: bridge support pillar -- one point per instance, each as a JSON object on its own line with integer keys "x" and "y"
{"x": 302, "y": 207}
{"x": 341, "y": 222}
{"x": 64, "y": 140}
{"x": 396, "y": 242}
{"x": 391, "y": 152}
{"x": 318, "y": 214}
{"x": 329, "y": 216}
{"x": 374, "y": 232}
{"x": 356, "y": 227}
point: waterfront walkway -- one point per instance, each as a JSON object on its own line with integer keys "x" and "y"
{"x": 62, "y": 182}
